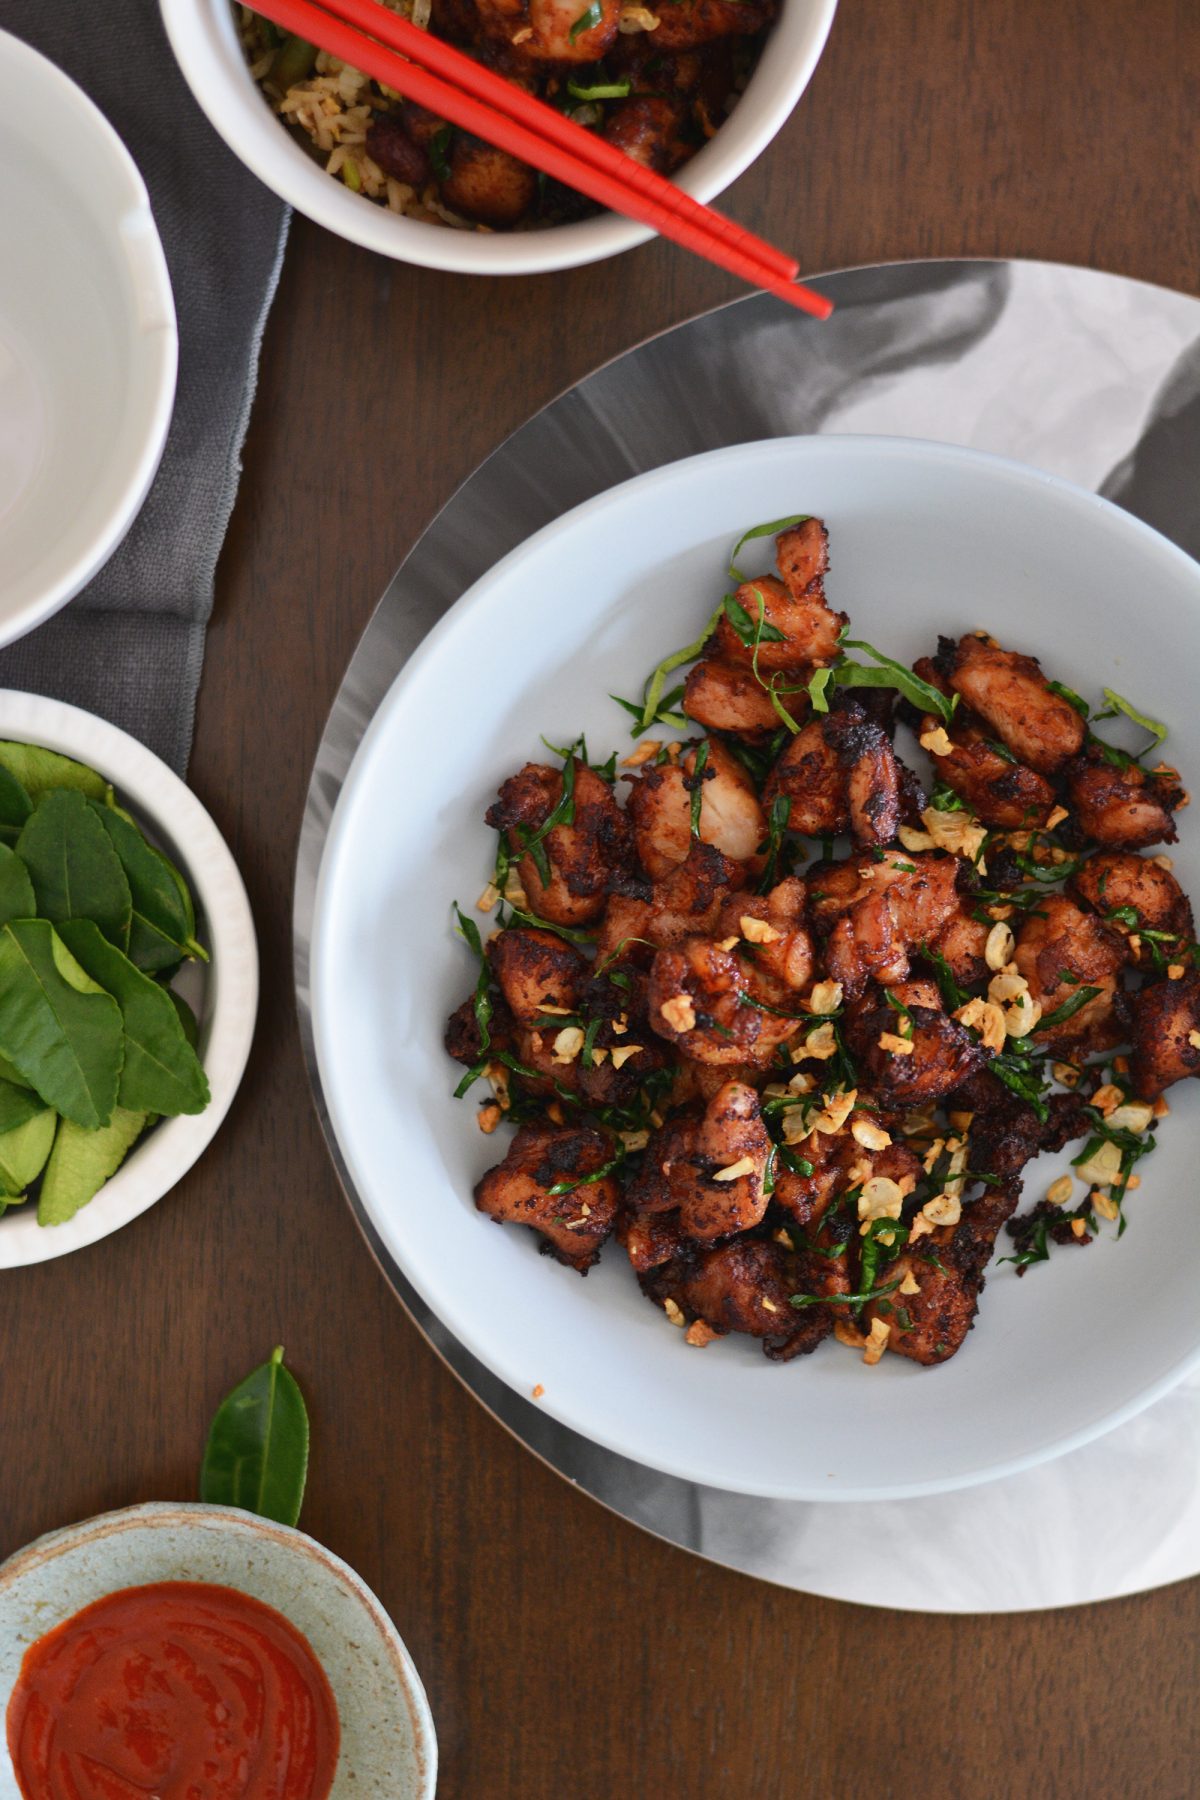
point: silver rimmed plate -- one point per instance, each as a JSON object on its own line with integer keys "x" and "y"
{"x": 1078, "y": 373}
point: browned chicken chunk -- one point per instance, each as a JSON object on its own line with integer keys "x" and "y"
{"x": 587, "y": 855}
{"x": 999, "y": 790}
{"x": 1119, "y": 883}
{"x": 962, "y": 942}
{"x": 1165, "y": 1034}
{"x": 744, "y": 1287}
{"x": 944, "y": 1053}
{"x": 660, "y": 806}
{"x": 774, "y": 927}
{"x": 536, "y": 969}
{"x": 1061, "y": 950}
{"x": 710, "y": 1168}
{"x": 541, "y": 1159}
{"x": 1122, "y": 806}
{"x": 840, "y": 773}
{"x": 726, "y": 696}
{"x": 875, "y": 912}
{"x": 794, "y": 607}
{"x": 1011, "y": 695}
{"x": 931, "y": 1325}
{"x": 717, "y": 1006}
{"x": 685, "y": 902}
{"x": 683, "y": 23}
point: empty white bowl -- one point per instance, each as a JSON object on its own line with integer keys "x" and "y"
{"x": 204, "y": 37}
{"x": 87, "y": 340}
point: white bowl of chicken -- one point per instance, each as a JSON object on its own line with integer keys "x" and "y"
{"x": 865, "y": 972}
{"x": 700, "y": 87}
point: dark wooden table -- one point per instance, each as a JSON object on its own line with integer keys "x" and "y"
{"x": 566, "y": 1653}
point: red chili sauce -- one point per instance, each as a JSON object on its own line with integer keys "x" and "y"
{"x": 180, "y": 1691}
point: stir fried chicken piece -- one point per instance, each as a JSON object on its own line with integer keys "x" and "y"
{"x": 943, "y": 1054}
{"x": 1165, "y": 1034}
{"x": 961, "y": 942}
{"x": 536, "y": 969}
{"x": 1006, "y": 1132}
{"x": 586, "y": 856}
{"x": 699, "y": 22}
{"x": 795, "y": 606}
{"x": 540, "y": 1158}
{"x": 1061, "y": 949}
{"x": 773, "y": 925}
{"x": 716, "y": 1006}
{"x": 463, "y": 1040}
{"x": 838, "y": 1163}
{"x": 486, "y": 184}
{"x": 839, "y": 772}
{"x": 398, "y": 154}
{"x": 685, "y": 902}
{"x": 1123, "y": 807}
{"x": 1011, "y": 695}
{"x": 650, "y": 1239}
{"x": 726, "y": 696}
{"x": 660, "y": 806}
{"x": 930, "y": 1325}
{"x": 746, "y": 1288}
{"x": 998, "y": 789}
{"x": 809, "y": 773}
{"x": 648, "y": 128}
{"x": 876, "y": 911}
{"x": 1121, "y": 883}
{"x": 556, "y": 1066}
{"x": 710, "y": 1167}
{"x": 540, "y": 31}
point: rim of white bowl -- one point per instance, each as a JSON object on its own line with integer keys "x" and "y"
{"x": 231, "y": 992}
{"x": 158, "y": 334}
{"x": 204, "y": 38}
{"x": 233, "y": 1521}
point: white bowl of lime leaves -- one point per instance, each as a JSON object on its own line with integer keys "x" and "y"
{"x": 128, "y": 979}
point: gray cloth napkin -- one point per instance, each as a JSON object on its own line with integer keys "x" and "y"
{"x": 131, "y": 645}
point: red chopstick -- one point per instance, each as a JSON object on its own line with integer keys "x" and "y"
{"x": 481, "y": 102}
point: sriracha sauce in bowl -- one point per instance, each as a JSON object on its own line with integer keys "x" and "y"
{"x": 175, "y": 1688}
{"x": 196, "y": 1652}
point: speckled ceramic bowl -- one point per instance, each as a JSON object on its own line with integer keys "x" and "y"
{"x": 388, "y": 1751}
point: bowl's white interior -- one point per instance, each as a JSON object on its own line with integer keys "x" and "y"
{"x": 924, "y": 539}
{"x": 87, "y": 340}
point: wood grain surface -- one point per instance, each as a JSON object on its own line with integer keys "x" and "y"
{"x": 566, "y": 1653}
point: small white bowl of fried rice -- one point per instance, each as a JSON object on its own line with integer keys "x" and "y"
{"x": 304, "y": 162}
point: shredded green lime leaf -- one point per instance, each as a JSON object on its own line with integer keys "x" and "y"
{"x": 770, "y": 529}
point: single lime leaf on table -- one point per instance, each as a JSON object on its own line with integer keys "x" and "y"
{"x": 161, "y": 1072}
{"x": 163, "y": 930}
{"x": 257, "y": 1451}
{"x": 38, "y": 771}
{"x": 58, "y": 1028}
{"x": 82, "y": 1161}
